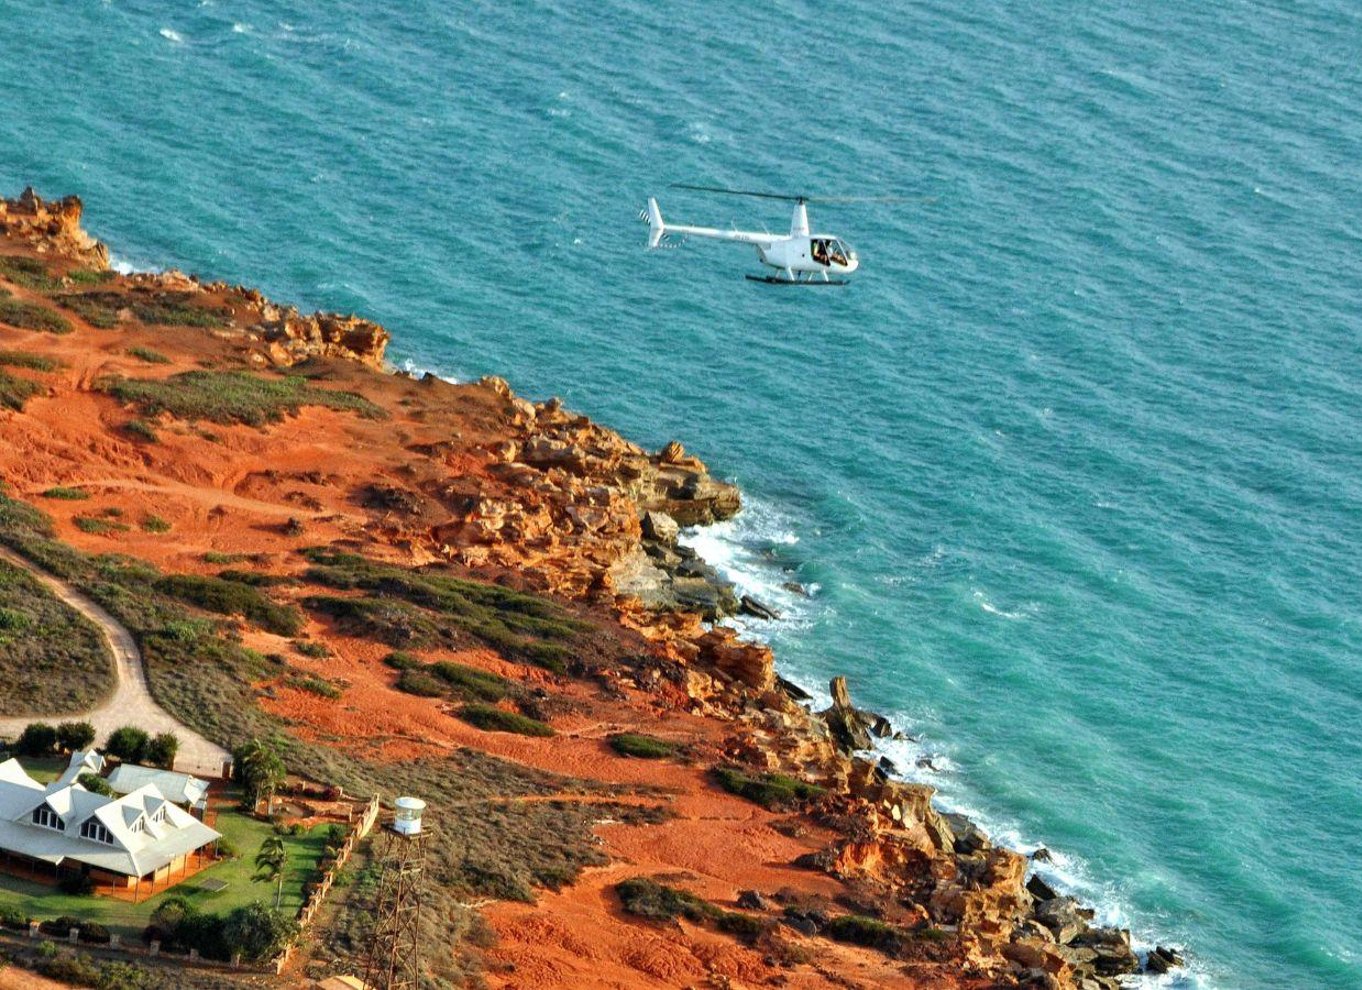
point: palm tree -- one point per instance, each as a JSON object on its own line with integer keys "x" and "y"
{"x": 260, "y": 770}
{"x": 270, "y": 862}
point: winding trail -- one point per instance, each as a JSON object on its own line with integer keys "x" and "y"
{"x": 131, "y": 702}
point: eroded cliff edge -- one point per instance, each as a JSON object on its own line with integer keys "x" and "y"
{"x": 279, "y": 441}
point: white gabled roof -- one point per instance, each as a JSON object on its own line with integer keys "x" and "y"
{"x": 180, "y": 788}
{"x": 167, "y": 832}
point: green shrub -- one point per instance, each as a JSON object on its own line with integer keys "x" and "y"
{"x": 148, "y": 355}
{"x": 744, "y": 927}
{"x": 641, "y": 746}
{"x": 69, "y": 494}
{"x": 30, "y": 273}
{"x": 415, "y": 608}
{"x": 72, "y": 736}
{"x": 37, "y": 739}
{"x": 314, "y": 685}
{"x": 492, "y": 719}
{"x": 421, "y": 683}
{"x": 95, "y": 784}
{"x": 317, "y": 651}
{"x": 142, "y": 430}
{"x": 401, "y": 660}
{"x": 231, "y": 397}
{"x": 31, "y": 316}
{"x": 179, "y": 309}
{"x": 90, "y": 524}
{"x": 162, "y": 749}
{"x": 646, "y": 898}
{"x": 860, "y": 930}
{"x": 218, "y": 557}
{"x": 775, "y": 791}
{"x": 15, "y": 391}
{"x": 24, "y": 359}
{"x": 128, "y": 744}
{"x": 231, "y": 598}
{"x": 471, "y": 682}
{"x": 155, "y": 524}
{"x": 13, "y": 918}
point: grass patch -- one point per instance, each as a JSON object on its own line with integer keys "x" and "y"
{"x": 142, "y": 430}
{"x": 52, "y": 659}
{"x": 155, "y": 524}
{"x": 15, "y": 391}
{"x": 428, "y": 607}
{"x": 30, "y": 273}
{"x": 31, "y": 316}
{"x": 24, "y": 359}
{"x": 646, "y": 898}
{"x": 775, "y": 791}
{"x": 421, "y": 683}
{"x": 180, "y": 309}
{"x": 642, "y": 746}
{"x": 317, "y": 651}
{"x": 861, "y": 930}
{"x": 231, "y": 598}
{"x": 470, "y": 682}
{"x": 148, "y": 355}
{"x": 218, "y": 557}
{"x": 98, "y": 527}
{"x": 492, "y": 719}
{"x": 231, "y": 397}
{"x": 313, "y": 684}
{"x": 67, "y": 494}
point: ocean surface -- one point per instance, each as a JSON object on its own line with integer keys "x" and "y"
{"x": 1073, "y": 470}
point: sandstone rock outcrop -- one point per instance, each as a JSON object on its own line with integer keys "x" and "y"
{"x": 52, "y": 228}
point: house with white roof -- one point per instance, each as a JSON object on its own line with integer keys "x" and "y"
{"x": 178, "y": 788}
{"x": 61, "y": 829}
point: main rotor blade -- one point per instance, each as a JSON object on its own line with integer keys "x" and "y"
{"x": 736, "y": 192}
{"x": 870, "y": 199}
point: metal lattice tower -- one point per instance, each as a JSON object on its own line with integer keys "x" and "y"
{"x": 395, "y": 952}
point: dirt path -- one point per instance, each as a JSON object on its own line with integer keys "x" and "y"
{"x": 131, "y": 702}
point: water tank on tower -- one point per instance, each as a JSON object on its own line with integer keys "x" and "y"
{"x": 407, "y": 818}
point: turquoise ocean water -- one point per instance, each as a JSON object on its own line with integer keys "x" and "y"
{"x": 1074, "y": 467}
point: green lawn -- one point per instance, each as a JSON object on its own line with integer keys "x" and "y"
{"x": 44, "y": 769}
{"x": 245, "y": 833}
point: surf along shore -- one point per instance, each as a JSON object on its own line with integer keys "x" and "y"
{"x": 448, "y": 590}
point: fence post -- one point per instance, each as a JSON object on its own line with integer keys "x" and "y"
{"x": 32, "y": 929}
{"x": 155, "y": 948}
{"x": 73, "y": 936}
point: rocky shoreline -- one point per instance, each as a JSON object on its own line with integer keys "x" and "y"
{"x": 537, "y": 497}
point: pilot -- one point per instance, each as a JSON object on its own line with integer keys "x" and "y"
{"x": 820, "y": 252}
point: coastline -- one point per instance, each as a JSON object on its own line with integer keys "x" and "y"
{"x": 922, "y": 870}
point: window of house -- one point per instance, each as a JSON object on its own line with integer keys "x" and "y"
{"x": 96, "y": 830}
{"x": 46, "y": 817}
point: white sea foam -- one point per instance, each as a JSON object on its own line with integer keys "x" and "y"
{"x": 746, "y": 550}
{"x": 240, "y": 28}
{"x": 740, "y": 549}
{"x": 172, "y": 35}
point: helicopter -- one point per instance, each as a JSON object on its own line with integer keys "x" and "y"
{"x": 800, "y": 257}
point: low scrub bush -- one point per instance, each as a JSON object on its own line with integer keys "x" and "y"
{"x": 16, "y": 391}
{"x": 860, "y": 930}
{"x": 492, "y": 719}
{"x": 30, "y": 273}
{"x": 421, "y": 683}
{"x": 24, "y": 359}
{"x": 231, "y": 397}
{"x": 67, "y": 494}
{"x": 646, "y": 898}
{"x": 155, "y": 524}
{"x": 775, "y": 791}
{"x": 232, "y": 598}
{"x": 148, "y": 355}
{"x": 31, "y": 316}
{"x": 642, "y": 746}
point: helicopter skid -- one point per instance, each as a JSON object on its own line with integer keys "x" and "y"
{"x": 777, "y": 280}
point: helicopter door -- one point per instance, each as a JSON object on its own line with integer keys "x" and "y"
{"x": 819, "y": 249}
{"x": 837, "y": 252}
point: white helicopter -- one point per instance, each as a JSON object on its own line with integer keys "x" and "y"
{"x": 802, "y": 258}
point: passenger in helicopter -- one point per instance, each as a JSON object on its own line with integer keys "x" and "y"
{"x": 819, "y": 250}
